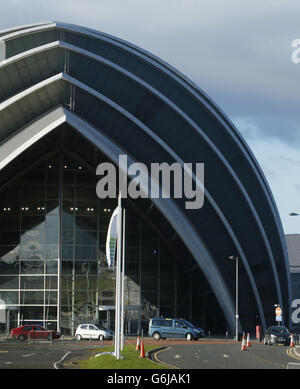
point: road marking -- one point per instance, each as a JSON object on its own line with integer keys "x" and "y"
{"x": 225, "y": 356}
{"x": 27, "y": 355}
{"x": 291, "y": 353}
{"x": 177, "y": 356}
{"x": 163, "y": 363}
{"x": 290, "y": 364}
{"x": 56, "y": 363}
{"x": 3, "y": 351}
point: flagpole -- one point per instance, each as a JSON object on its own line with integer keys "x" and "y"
{"x": 118, "y": 280}
{"x": 122, "y": 280}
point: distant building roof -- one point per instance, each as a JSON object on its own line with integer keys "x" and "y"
{"x": 293, "y": 247}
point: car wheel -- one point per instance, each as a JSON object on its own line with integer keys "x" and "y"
{"x": 189, "y": 337}
{"x": 21, "y": 337}
{"x": 156, "y": 335}
{"x": 78, "y": 337}
{"x": 101, "y": 338}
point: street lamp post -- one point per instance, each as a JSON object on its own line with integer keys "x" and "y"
{"x": 236, "y": 296}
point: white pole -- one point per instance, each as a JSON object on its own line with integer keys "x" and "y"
{"x": 118, "y": 279}
{"x": 122, "y": 285}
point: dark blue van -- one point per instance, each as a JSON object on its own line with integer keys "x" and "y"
{"x": 173, "y": 328}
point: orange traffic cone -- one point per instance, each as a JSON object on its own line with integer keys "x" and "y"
{"x": 138, "y": 343}
{"x": 248, "y": 340}
{"x": 142, "y": 353}
{"x": 243, "y": 348}
{"x": 292, "y": 343}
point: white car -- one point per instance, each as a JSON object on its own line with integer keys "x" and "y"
{"x": 90, "y": 331}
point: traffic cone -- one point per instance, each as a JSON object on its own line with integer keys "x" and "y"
{"x": 142, "y": 353}
{"x": 243, "y": 348}
{"x": 138, "y": 343}
{"x": 248, "y": 340}
{"x": 292, "y": 343}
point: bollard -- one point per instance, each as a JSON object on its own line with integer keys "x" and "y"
{"x": 28, "y": 337}
{"x": 62, "y": 339}
{"x": 209, "y": 335}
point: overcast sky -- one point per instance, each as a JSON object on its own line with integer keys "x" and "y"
{"x": 237, "y": 51}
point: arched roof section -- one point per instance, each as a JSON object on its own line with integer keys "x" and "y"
{"x": 129, "y": 94}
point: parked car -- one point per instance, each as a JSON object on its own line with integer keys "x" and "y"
{"x": 33, "y": 332}
{"x": 277, "y": 335}
{"x": 173, "y": 328}
{"x": 90, "y": 331}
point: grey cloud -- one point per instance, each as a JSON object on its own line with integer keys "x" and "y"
{"x": 238, "y": 52}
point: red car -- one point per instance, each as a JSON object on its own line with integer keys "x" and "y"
{"x": 33, "y": 332}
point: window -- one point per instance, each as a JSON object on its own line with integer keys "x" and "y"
{"x": 27, "y": 328}
{"x": 156, "y": 322}
{"x": 38, "y": 328}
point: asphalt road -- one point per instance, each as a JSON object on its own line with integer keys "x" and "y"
{"x": 40, "y": 355}
{"x": 183, "y": 355}
{"x": 227, "y": 356}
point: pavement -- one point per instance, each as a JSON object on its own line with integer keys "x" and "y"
{"x": 172, "y": 348}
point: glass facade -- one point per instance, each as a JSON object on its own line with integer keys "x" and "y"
{"x": 53, "y": 268}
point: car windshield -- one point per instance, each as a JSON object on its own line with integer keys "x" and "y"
{"x": 187, "y": 323}
{"x": 280, "y": 329}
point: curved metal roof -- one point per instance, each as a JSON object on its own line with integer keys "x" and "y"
{"x": 53, "y": 72}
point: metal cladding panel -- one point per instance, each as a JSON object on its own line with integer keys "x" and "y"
{"x": 137, "y": 99}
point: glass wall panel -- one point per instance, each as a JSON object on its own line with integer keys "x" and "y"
{"x": 32, "y": 297}
{"x": 32, "y": 282}
{"x": 32, "y": 313}
{"x": 56, "y": 204}
{"x": 50, "y": 313}
{"x": 8, "y": 298}
{"x": 51, "y": 282}
{"x": 51, "y": 297}
{"x": 9, "y": 254}
{"x": 51, "y": 267}
{"x": 9, "y": 282}
{"x": 52, "y": 236}
{"x": 51, "y": 251}
{"x": 84, "y": 252}
{"x": 32, "y": 267}
{"x": 9, "y": 266}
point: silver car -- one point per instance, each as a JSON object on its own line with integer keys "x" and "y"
{"x": 90, "y": 331}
